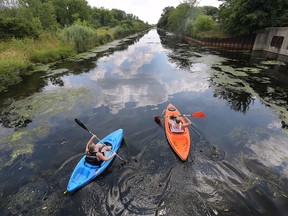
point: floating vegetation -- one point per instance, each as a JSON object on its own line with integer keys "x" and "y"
{"x": 212, "y": 60}
{"x": 249, "y": 70}
{"x": 39, "y": 107}
{"x": 43, "y": 105}
{"x": 21, "y": 143}
{"x": 56, "y": 72}
{"x": 235, "y": 83}
{"x": 17, "y": 136}
{"x": 27, "y": 150}
{"x": 235, "y": 72}
{"x": 212, "y": 152}
{"x": 29, "y": 196}
{"x": 272, "y": 62}
{"x": 223, "y": 78}
{"x": 263, "y": 67}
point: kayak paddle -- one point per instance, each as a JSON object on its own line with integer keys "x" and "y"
{"x": 85, "y": 128}
{"x": 195, "y": 115}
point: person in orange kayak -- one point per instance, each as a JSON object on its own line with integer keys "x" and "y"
{"x": 95, "y": 153}
{"x": 176, "y": 125}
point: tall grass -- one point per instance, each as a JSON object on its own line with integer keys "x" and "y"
{"x": 48, "y": 48}
{"x": 19, "y": 56}
{"x": 83, "y": 37}
{"x": 215, "y": 32}
{"x": 105, "y": 35}
{"x": 12, "y": 65}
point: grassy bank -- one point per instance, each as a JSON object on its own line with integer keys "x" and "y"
{"x": 20, "y": 57}
{"x": 216, "y": 31}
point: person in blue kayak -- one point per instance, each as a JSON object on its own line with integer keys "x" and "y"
{"x": 176, "y": 125}
{"x": 95, "y": 153}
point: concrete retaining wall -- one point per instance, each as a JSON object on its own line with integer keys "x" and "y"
{"x": 264, "y": 40}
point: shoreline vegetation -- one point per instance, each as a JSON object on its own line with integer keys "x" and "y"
{"x": 234, "y": 21}
{"x": 36, "y": 33}
{"x": 21, "y": 57}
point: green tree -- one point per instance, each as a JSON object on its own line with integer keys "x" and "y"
{"x": 17, "y": 21}
{"x": 11, "y": 27}
{"x": 68, "y": 11}
{"x": 78, "y": 9}
{"x": 118, "y": 14}
{"x": 8, "y": 8}
{"x": 26, "y": 12}
{"x": 244, "y": 17}
{"x": 177, "y": 18}
{"x": 47, "y": 16}
{"x": 102, "y": 16}
{"x": 211, "y": 11}
{"x": 44, "y": 11}
{"x": 203, "y": 23}
{"x": 181, "y": 20}
{"x": 163, "y": 21}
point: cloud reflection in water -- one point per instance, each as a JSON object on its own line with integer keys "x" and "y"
{"x": 143, "y": 75}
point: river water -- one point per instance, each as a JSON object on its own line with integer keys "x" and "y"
{"x": 238, "y": 164}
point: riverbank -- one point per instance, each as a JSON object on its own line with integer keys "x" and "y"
{"x": 21, "y": 57}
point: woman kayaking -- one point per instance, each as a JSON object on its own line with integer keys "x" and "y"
{"x": 95, "y": 153}
{"x": 176, "y": 124}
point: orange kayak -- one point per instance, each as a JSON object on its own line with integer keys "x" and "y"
{"x": 180, "y": 142}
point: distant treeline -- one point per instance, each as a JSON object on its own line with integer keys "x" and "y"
{"x": 237, "y": 18}
{"x": 29, "y": 18}
{"x": 35, "y": 32}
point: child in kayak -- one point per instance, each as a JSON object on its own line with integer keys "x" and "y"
{"x": 176, "y": 125}
{"x": 95, "y": 153}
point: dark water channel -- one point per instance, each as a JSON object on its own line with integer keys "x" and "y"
{"x": 238, "y": 164}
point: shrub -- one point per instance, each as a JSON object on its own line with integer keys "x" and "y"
{"x": 83, "y": 37}
{"x": 203, "y": 23}
{"x": 16, "y": 28}
{"x": 103, "y": 39}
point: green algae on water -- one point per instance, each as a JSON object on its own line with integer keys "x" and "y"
{"x": 56, "y": 72}
{"x": 22, "y": 151}
{"x": 47, "y": 104}
{"x": 249, "y": 70}
{"x": 272, "y": 62}
{"x": 39, "y": 107}
{"x": 21, "y": 142}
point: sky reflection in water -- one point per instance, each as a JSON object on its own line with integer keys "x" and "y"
{"x": 126, "y": 88}
{"x": 140, "y": 75}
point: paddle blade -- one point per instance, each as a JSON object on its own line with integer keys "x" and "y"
{"x": 157, "y": 117}
{"x": 81, "y": 124}
{"x": 198, "y": 115}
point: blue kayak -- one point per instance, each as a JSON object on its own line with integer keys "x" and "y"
{"x": 85, "y": 172}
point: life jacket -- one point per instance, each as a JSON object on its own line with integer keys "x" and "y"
{"x": 93, "y": 159}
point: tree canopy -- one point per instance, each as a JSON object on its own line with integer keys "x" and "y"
{"x": 22, "y": 18}
{"x": 244, "y": 17}
{"x": 182, "y": 18}
{"x": 234, "y": 17}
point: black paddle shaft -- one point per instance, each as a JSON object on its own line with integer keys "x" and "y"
{"x": 82, "y": 125}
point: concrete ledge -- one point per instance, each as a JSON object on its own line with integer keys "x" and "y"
{"x": 263, "y": 40}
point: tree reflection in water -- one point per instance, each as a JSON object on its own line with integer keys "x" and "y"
{"x": 240, "y": 78}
